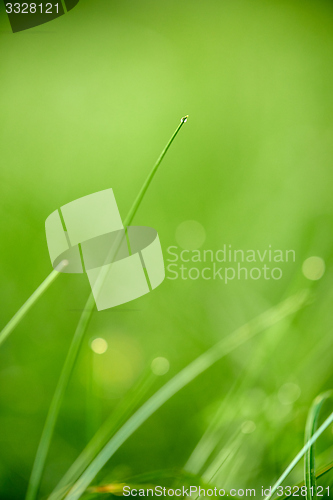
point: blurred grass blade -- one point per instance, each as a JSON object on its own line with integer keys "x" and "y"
{"x": 110, "y": 426}
{"x": 179, "y": 478}
{"x": 300, "y": 455}
{"x": 310, "y": 429}
{"x": 7, "y": 330}
{"x": 85, "y": 318}
{"x": 215, "y": 430}
{"x": 324, "y": 470}
{"x": 184, "y": 377}
{"x": 225, "y": 455}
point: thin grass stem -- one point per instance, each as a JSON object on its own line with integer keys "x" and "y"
{"x": 110, "y": 426}
{"x": 44, "y": 444}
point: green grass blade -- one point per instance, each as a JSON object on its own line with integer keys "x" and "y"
{"x": 310, "y": 429}
{"x": 16, "y": 319}
{"x": 74, "y": 348}
{"x": 300, "y": 455}
{"x": 102, "y": 435}
{"x": 139, "y": 198}
{"x": 57, "y": 399}
{"x": 184, "y": 377}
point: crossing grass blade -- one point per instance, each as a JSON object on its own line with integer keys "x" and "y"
{"x": 183, "y": 378}
{"x": 17, "y": 318}
{"x": 74, "y": 348}
{"x": 193, "y": 479}
{"x": 309, "y": 459}
{"x": 109, "y": 427}
{"x": 300, "y": 455}
{"x": 324, "y": 470}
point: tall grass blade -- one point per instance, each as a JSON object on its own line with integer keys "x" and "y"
{"x": 139, "y": 198}
{"x": 309, "y": 459}
{"x": 184, "y": 377}
{"x": 57, "y": 399}
{"x": 102, "y": 435}
{"x": 16, "y": 319}
{"x": 86, "y": 315}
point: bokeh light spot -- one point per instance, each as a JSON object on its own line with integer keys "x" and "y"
{"x": 190, "y": 235}
{"x": 313, "y": 268}
{"x": 277, "y": 412}
{"x": 160, "y": 366}
{"x": 99, "y": 345}
{"x": 289, "y": 393}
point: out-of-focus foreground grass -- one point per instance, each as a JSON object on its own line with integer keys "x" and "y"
{"x": 87, "y": 102}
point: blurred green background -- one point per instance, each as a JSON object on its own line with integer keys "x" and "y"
{"x": 87, "y": 102}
